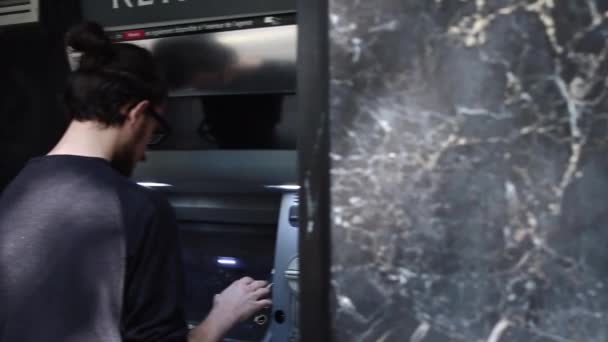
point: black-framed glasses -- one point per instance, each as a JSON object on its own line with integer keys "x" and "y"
{"x": 162, "y": 129}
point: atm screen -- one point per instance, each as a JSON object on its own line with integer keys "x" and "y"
{"x": 231, "y": 122}
{"x": 231, "y": 82}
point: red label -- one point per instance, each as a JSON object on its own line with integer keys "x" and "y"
{"x": 135, "y": 34}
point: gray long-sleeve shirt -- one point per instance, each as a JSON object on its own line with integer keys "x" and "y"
{"x": 87, "y": 255}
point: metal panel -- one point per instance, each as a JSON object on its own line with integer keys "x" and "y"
{"x": 11, "y": 3}
{"x": 18, "y": 12}
{"x": 259, "y": 60}
{"x": 218, "y": 171}
{"x": 251, "y": 55}
{"x": 285, "y": 290}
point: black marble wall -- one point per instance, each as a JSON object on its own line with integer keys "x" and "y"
{"x": 469, "y": 170}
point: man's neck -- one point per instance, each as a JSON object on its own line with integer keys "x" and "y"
{"x": 88, "y": 139}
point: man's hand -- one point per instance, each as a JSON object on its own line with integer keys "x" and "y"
{"x": 235, "y": 304}
{"x": 242, "y": 299}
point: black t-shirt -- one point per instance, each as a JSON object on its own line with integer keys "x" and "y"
{"x": 87, "y": 255}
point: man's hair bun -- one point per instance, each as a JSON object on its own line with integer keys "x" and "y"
{"x": 109, "y": 76}
{"x": 88, "y": 37}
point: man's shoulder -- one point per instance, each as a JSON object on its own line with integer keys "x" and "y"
{"x": 133, "y": 194}
{"x": 144, "y": 212}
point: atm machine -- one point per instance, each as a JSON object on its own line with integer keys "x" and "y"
{"x": 284, "y": 326}
{"x": 229, "y": 165}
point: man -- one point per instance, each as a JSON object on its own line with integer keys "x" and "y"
{"x": 86, "y": 254}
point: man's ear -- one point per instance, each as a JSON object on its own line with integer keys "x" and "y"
{"x": 136, "y": 112}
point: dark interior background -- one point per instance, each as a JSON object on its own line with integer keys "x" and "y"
{"x": 33, "y": 69}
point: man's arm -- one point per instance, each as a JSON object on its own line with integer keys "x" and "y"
{"x": 154, "y": 281}
{"x": 235, "y": 304}
{"x": 153, "y": 305}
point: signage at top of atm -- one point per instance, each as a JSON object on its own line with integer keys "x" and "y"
{"x": 117, "y": 4}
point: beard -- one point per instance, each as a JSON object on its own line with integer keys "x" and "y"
{"x": 124, "y": 162}
{"x": 126, "y": 158}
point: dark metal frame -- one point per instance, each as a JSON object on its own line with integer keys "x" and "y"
{"x": 313, "y": 149}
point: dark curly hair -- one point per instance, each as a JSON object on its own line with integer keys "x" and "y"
{"x": 109, "y": 77}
